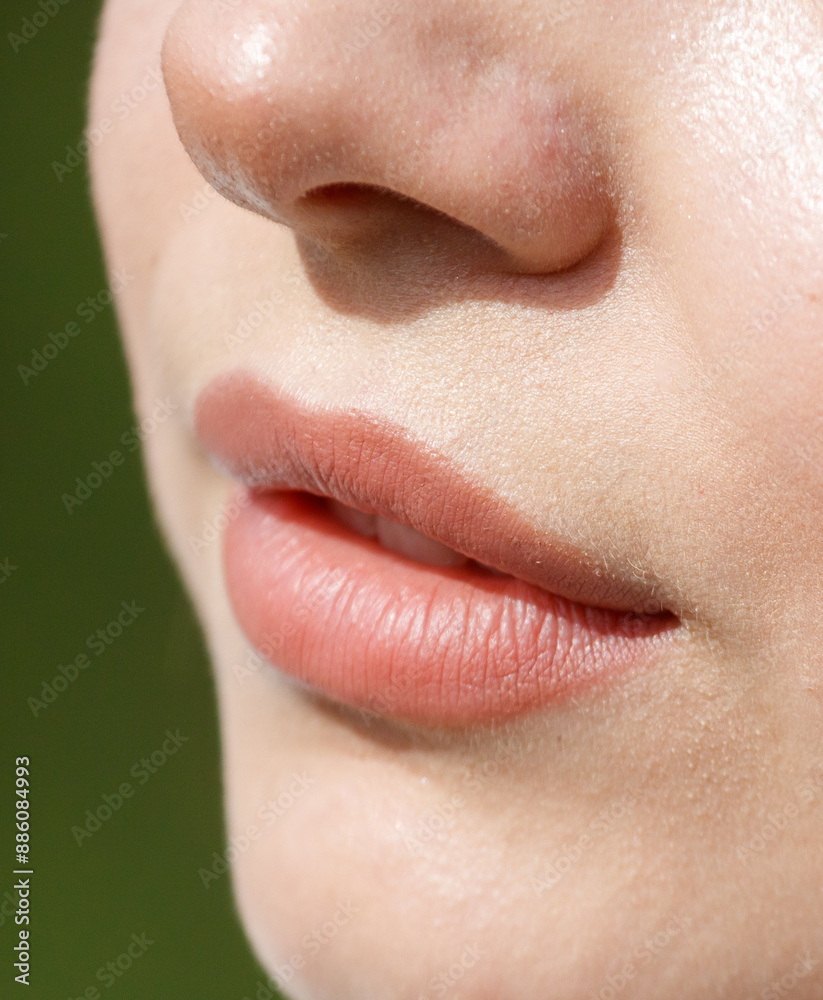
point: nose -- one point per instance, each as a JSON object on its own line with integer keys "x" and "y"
{"x": 341, "y": 120}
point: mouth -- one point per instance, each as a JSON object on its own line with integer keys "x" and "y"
{"x": 374, "y": 570}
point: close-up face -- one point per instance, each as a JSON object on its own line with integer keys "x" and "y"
{"x": 480, "y": 347}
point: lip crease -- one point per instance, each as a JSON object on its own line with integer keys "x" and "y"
{"x": 444, "y": 645}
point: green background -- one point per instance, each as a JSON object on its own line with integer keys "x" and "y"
{"x": 138, "y": 873}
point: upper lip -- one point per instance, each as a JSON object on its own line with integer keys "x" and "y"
{"x": 271, "y": 441}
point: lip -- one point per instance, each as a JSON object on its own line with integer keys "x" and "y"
{"x": 437, "y": 646}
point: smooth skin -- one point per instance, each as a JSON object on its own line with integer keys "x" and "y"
{"x": 578, "y": 247}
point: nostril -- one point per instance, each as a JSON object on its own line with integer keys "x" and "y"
{"x": 388, "y": 224}
{"x": 507, "y": 177}
{"x": 347, "y": 194}
{"x": 342, "y": 193}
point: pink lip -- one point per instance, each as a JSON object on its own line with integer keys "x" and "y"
{"x": 435, "y": 646}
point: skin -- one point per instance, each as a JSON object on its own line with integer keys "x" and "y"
{"x": 657, "y": 403}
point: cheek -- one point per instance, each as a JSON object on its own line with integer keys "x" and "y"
{"x": 141, "y": 177}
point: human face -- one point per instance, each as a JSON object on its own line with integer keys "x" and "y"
{"x": 531, "y": 296}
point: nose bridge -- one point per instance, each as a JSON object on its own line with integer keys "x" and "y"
{"x": 272, "y": 101}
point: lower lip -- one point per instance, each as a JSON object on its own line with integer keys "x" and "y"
{"x": 429, "y": 645}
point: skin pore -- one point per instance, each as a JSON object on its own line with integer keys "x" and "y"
{"x": 577, "y": 249}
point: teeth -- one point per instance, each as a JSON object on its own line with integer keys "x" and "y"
{"x": 363, "y": 524}
{"x": 410, "y": 543}
{"x": 397, "y": 537}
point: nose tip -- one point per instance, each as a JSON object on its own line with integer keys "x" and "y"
{"x": 283, "y": 108}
